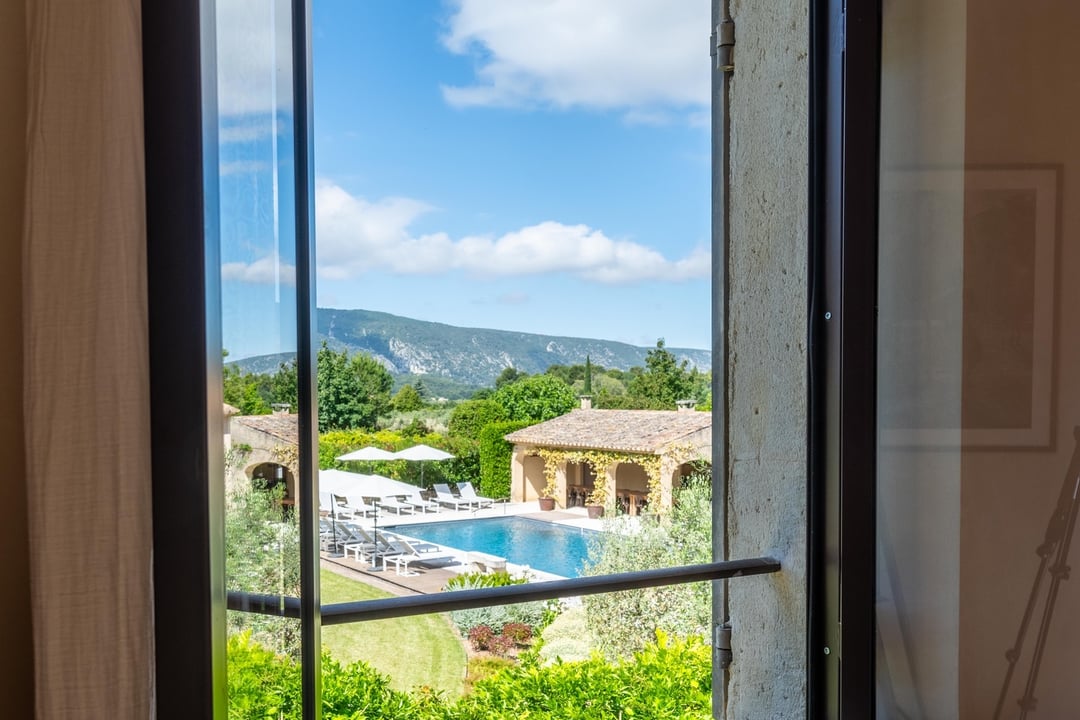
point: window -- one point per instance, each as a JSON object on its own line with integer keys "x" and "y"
{"x": 201, "y": 360}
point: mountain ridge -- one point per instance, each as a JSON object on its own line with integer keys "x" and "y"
{"x": 470, "y": 356}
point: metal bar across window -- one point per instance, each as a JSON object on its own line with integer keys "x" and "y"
{"x": 342, "y": 613}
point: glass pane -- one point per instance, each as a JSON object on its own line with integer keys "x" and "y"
{"x": 977, "y": 350}
{"x": 257, "y": 180}
{"x": 541, "y": 172}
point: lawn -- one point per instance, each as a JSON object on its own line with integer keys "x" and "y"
{"x": 418, "y": 650}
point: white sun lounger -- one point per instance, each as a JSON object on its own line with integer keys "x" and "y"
{"x": 445, "y": 497}
{"x": 411, "y": 554}
{"x": 468, "y": 493}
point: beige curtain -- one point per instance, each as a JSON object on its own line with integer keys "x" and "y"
{"x": 86, "y": 397}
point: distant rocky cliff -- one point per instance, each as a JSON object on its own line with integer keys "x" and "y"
{"x": 469, "y": 356}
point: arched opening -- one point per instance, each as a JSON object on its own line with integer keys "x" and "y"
{"x": 272, "y": 476}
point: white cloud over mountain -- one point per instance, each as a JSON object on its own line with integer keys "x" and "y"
{"x": 634, "y": 55}
{"x": 356, "y": 236}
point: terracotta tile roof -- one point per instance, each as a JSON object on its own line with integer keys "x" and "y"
{"x": 279, "y": 425}
{"x": 643, "y": 431}
{"x": 229, "y": 410}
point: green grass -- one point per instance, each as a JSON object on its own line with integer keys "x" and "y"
{"x": 412, "y": 651}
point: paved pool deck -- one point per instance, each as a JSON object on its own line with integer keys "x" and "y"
{"x": 433, "y": 579}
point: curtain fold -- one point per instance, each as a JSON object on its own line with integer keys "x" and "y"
{"x": 86, "y": 378}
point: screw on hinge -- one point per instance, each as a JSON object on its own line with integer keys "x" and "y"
{"x": 722, "y": 45}
{"x": 722, "y": 643}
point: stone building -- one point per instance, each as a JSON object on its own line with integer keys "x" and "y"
{"x": 630, "y": 457}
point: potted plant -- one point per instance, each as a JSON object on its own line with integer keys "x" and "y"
{"x": 547, "y": 495}
{"x": 594, "y": 503}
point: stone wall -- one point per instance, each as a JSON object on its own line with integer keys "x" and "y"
{"x": 768, "y": 356}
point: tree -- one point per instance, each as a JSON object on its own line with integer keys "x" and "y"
{"x": 536, "y": 398}
{"x": 353, "y": 393}
{"x": 471, "y": 416}
{"x": 283, "y": 384}
{"x": 241, "y": 390}
{"x": 664, "y": 378}
{"x": 623, "y": 623}
{"x": 408, "y": 399}
{"x": 588, "y": 376}
{"x": 509, "y": 376}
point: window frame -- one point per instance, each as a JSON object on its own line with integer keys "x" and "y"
{"x": 183, "y": 279}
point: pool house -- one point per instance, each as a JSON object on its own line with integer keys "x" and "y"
{"x": 629, "y": 459}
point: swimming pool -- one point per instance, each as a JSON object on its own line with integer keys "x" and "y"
{"x": 542, "y": 545}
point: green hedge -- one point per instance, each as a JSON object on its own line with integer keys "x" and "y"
{"x": 495, "y": 456}
{"x": 668, "y": 680}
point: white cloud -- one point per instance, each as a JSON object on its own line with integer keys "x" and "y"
{"x": 355, "y": 236}
{"x": 266, "y": 270}
{"x": 607, "y": 54}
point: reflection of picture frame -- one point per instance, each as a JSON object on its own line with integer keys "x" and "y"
{"x": 981, "y": 333}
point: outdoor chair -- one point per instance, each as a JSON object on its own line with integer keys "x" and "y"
{"x": 391, "y": 502}
{"x": 356, "y": 507}
{"x": 412, "y": 554}
{"x": 360, "y": 544}
{"x": 379, "y": 547}
{"x": 467, "y": 492}
{"x": 445, "y": 497}
{"x": 417, "y": 501}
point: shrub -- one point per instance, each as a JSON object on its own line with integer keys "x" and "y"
{"x": 496, "y": 617}
{"x": 495, "y": 456}
{"x": 519, "y": 633}
{"x": 500, "y": 645}
{"x": 665, "y": 681}
{"x": 624, "y": 622}
{"x": 472, "y": 580}
{"x": 481, "y": 637}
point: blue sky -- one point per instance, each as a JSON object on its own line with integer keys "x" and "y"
{"x": 531, "y": 166}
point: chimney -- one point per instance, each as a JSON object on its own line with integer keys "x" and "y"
{"x": 685, "y": 405}
{"x": 586, "y": 402}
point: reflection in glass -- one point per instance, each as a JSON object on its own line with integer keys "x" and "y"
{"x": 977, "y": 350}
{"x": 256, "y": 180}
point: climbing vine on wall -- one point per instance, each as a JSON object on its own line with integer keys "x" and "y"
{"x": 601, "y": 460}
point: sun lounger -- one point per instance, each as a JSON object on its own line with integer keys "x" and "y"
{"x": 467, "y": 492}
{"x": 411, "y": 555}
{"x": 445, "y": 497}
{"x": 417, "y": 501}
{"x": 360, "y": 544}
{"x": 392, "y": 503}
{"x": 356, "y": 507}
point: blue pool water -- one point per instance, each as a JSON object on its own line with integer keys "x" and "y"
{"x": 541, "y": 545}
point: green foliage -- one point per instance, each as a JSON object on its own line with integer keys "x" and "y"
{"x": 611, "y": 401}
{"x": 509, "y": 376}
{"x": 472, "y": 580}
{"x": 664, "y": 379}
{"x": 353, "y": 393}
{"x": 471, "y": 416}
{"x": 262, "y": 555}
{"x": 495, "y": 457}
{"x": 536, "y": 398}
{"x": 667, "y": 680}
{"x": 497, "y": 616}
{"x": 622, "y": 623}
{"x": 407, "y": 398}
{"x": 262, "y": 684}
{"x": 241, "y": 390}
{"x": 566, "y": 638}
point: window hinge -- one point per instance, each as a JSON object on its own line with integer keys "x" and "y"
{"x": 722, "y": 45}
{"x": 722, "y": 643}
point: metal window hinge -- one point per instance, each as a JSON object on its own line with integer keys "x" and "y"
{"x": 722, "y": 644}
{"x": 722, "y": 45}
